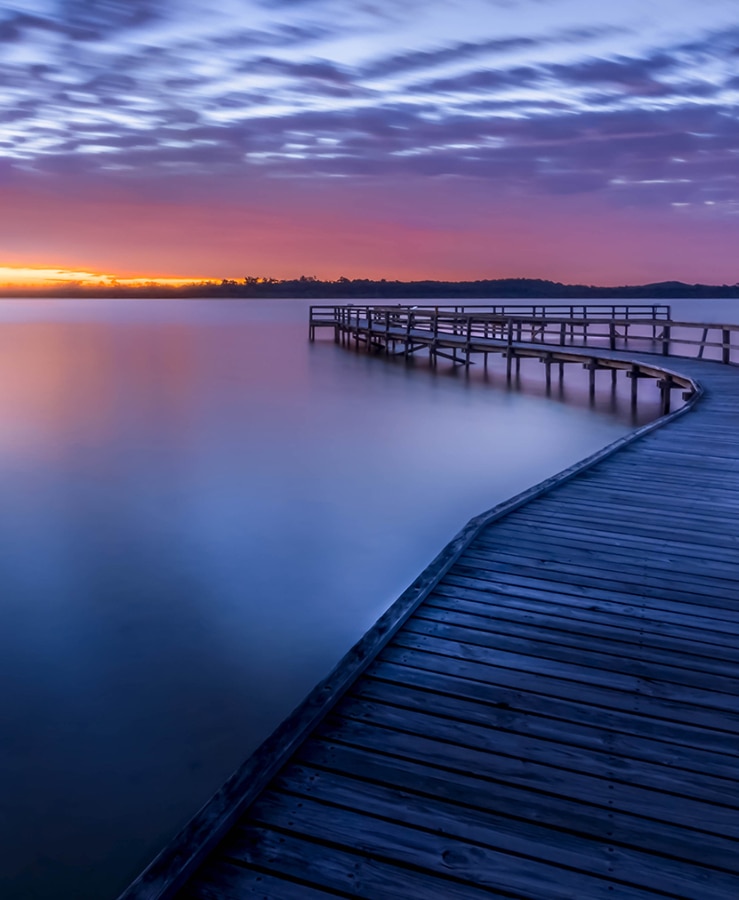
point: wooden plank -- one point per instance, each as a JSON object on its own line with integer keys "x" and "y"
{"x": 463, "y": 861}
{"x": 616, "y": 537}
{"x": 579, "y": 633}
{"x": 595, "y": 509}
{"x": 594, "y": 854}
{"x": 612, "y": 620}
{"x": 579, "y": 816}
{"x": 702, "y": 502}
{"x": 493, "y": 567}
{"x": 502, "y": 698}
{"x": 715, "y": 691}
{"x": 659, "y": 665}
{"x": 635, "y": 469}
{"x": 530, "y": 558}
{"x": 611, "y": 793}
{"x": 339, "y": 870}
{"x": 587, "y": 571}
{"x": 509, "y": 585}
{"x": 518, "y": 672}
{"x": 697, "y": 519}
{"x": 633, "y": 525}
{"x": 552, "y": 748}
{"x": 224, "y": 880}
{"x": 592, "y": 550}
{"x": 597, "y": 736}
{"x": 551, "y": 543}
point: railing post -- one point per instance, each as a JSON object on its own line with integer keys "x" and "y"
{"x": 725, "y": 346}
{"x": 666, "y": 341}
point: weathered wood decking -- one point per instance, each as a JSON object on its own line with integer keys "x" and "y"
{"x": 554, "y": 715}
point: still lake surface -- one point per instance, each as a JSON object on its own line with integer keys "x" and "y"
{"x": 201, "y": 513}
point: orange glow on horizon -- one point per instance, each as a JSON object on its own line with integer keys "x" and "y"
{"x": 48, "y": 277}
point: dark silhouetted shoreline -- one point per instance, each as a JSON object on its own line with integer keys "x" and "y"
{"x": 368, "y": 289}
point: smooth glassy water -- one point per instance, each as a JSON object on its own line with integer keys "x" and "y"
{"x": 200, "y": 513}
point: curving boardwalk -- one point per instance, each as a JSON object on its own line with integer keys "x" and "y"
{"x": 554, "y": 717}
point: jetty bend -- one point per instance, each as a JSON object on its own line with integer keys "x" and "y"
{"x": 550, "y": 711}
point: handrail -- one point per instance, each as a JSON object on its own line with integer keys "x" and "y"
{"x": 320, "y": 313}
{"x": 652, "y": 334}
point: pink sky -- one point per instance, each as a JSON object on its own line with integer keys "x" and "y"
{"x": 445, "y": 229}
{"x": 569, "y": 140}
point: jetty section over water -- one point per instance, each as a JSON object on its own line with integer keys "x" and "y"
{"x": 550, "y": 711}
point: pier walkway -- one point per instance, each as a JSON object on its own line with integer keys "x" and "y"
{"x": 549, "y": 712}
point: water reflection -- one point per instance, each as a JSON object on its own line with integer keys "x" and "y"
{"x": 201, "y": 512}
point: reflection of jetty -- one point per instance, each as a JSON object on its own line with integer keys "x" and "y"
{"x": 550, "y": 710}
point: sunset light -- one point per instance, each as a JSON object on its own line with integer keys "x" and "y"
{"x": 30, "y": 277}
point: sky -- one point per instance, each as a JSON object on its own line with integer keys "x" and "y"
{"x": 453, "y": 139}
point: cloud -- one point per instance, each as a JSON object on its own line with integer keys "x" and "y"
{"x": 456, "y": 53}
{"x": 273, "y": 101}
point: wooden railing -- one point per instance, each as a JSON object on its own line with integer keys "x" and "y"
{"x": 329, "y": 315}
{"x": 638, "y": 329}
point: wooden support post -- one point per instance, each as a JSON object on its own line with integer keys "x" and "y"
{"x": 548, "y": 367}
{"x": 634, "y": 375}
{"x": 591, "y": 366}
{"x": 704, "y": 338}
{"x": 666, "y": 341}
{"x": 665, "y": 386}
{"x": 509, "y": 362}
{"x": 725, "y": 346}
{"x": 612, "y": 336}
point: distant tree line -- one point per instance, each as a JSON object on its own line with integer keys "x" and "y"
{"x": 312, "y": 288}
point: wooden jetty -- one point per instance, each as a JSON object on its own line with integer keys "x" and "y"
{"x": 550, "y": 711}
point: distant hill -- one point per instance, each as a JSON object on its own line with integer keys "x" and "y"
{"x": 367, "y": 289}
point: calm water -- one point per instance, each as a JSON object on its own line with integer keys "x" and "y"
{"x": 201, "y": 512}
